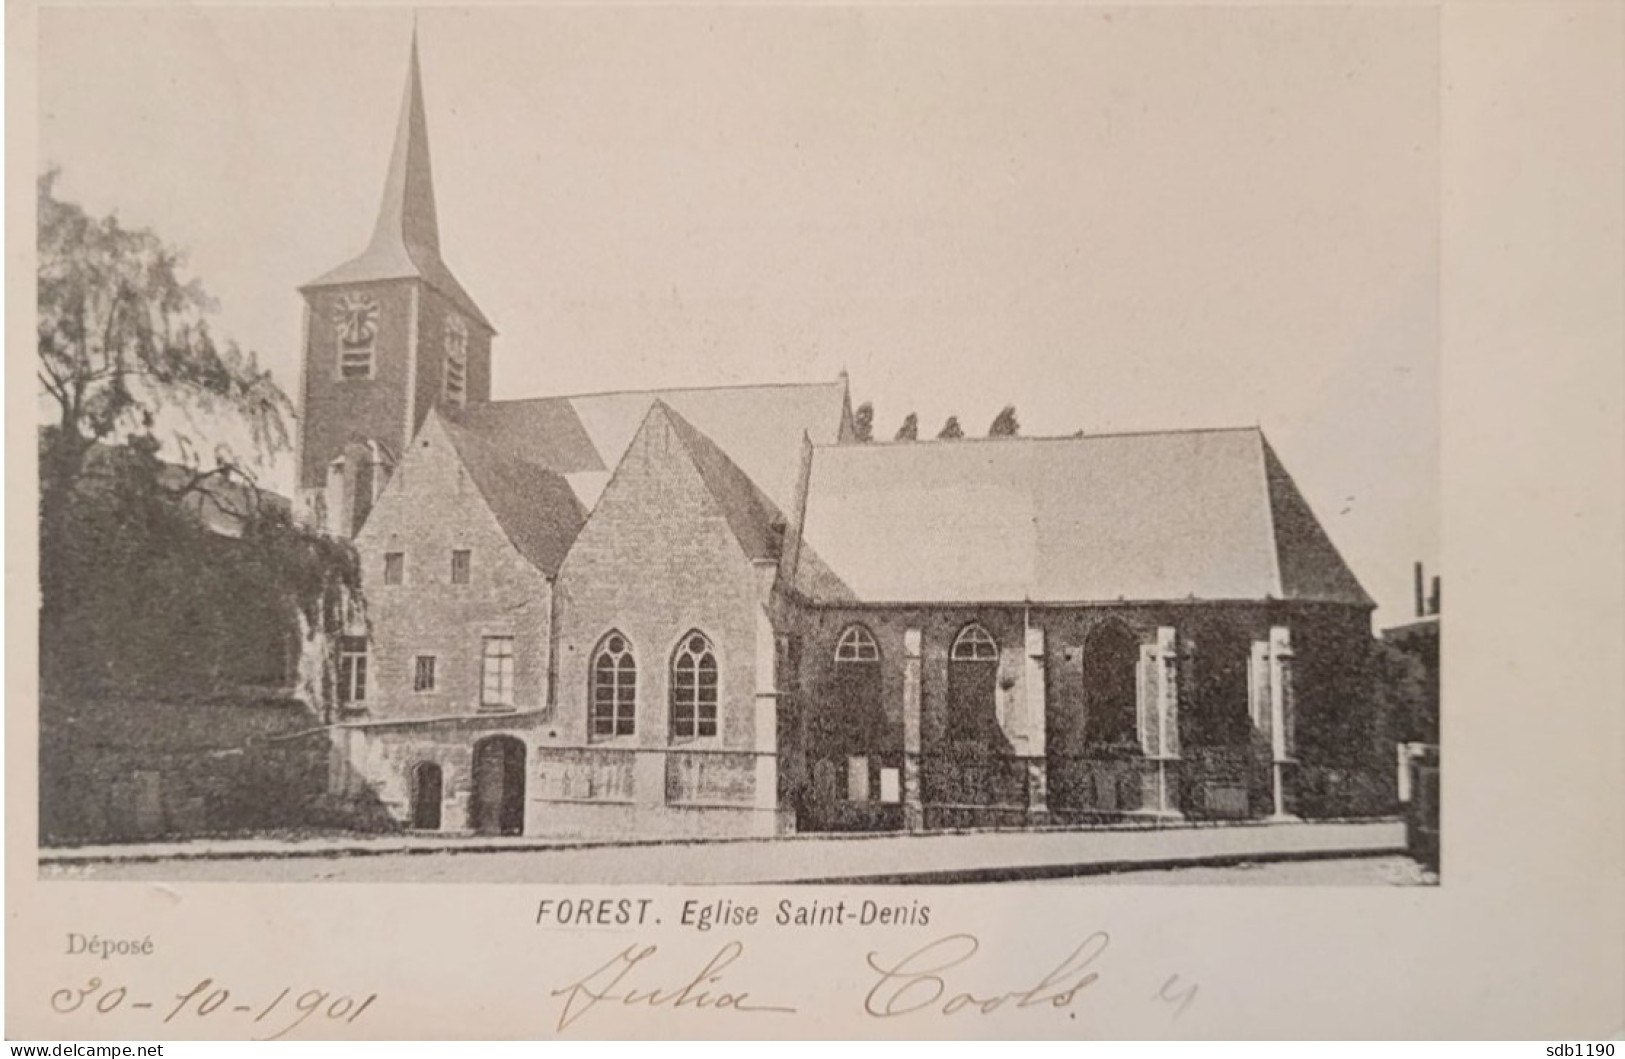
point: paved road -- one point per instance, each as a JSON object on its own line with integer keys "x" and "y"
{"x": 943, "y": 858}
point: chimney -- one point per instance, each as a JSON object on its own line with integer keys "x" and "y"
{"x": 1421, "y": 604}
{"x": 1433, "y": 600}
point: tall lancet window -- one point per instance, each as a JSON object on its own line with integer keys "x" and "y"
{"x": 973, "y": 671}
{"x": 456, "y": 360}
{"x": 694, "y": 688}
{"x": 614, "y": 688}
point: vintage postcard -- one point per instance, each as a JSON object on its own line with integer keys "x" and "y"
{"x": 907, "y": 521}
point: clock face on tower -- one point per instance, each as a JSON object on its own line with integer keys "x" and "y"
{"x": 356, "y": 317}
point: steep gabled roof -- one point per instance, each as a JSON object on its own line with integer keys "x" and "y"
{"x": 406, "y": 240}
{"x": 545, "y": 431}
{"x": 535, "y": 507}
{"x": 754, "y": 519}
{"x": 1139, "y": 517}
{"x": 1310, "y": 565}
{"x": 759, "y": 428}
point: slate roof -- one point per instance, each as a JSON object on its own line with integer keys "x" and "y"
{"x": 536, "y": 507}
{"x": 1138, "y": 517}
{"x": 406, "y": 240}
{"x": 583, "y": 437}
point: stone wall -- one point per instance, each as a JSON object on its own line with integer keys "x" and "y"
{"x": 430, "y": 508}
{"x": 658, "y": 560}
{"x": 130, "y": 769}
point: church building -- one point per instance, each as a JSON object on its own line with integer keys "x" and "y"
{"x": 717, "y": 612}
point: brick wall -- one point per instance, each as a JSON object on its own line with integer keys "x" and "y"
{"x": 433, "y": 309}
{"x": 1330, "y": 696}
{"x": 337, "y": 411}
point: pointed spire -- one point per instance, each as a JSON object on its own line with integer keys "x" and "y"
{"x": 407, "y": 213}
{"x": 406, "y": 240}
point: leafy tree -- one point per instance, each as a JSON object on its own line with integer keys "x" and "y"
{"x": 152, "y": 572}
{"x": 863, "y": 422}
{"x": 1005, "y": 424}
{"x": 144, "y": 593}
{"x": 910, "y": 430}
{"x": 951, "y": 430}
{"x": 123, "y": 335}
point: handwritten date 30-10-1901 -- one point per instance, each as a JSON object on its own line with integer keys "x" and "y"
{"x": 280, "y": 1014}
{"x": 929, "y": 980}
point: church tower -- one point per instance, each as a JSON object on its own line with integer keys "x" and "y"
{"x": 388, "y": 335}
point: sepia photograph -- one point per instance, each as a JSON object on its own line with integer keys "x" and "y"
{"x": 878, "y": 520}
{"x": 684, "y": 479}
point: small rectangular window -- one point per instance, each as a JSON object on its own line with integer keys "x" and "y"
{"x": 461, "y": 560}
{"x": 891, "y": 785}
{"x": 352, "y": 670}
{"x": 496, "y": 672}
{"x": 423, "y": 673}
{"x": 394, "y": 567}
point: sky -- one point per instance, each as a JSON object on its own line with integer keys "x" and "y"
{"x": 1113, "y": 219}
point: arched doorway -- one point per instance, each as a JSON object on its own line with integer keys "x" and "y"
{"x": 498, "y": 806}
{"x": 427, "y": 788}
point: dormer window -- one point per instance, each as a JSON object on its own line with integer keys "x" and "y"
{"x": 355, "y": 318}
{"x": 456, "y": 360}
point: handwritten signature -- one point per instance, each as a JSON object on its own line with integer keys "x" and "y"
{"x": 917, "y": 982}
{"x": 611, "y": 983}
{"x": 927, "y": 980}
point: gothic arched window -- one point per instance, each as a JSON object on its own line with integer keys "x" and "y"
{"x": 694, "y": 688}
{"x": 975, "y": 644}
{"x": 614, "y": 688}
{"x": 857, "y": 645}
{"x": 973, "y": 671}
{"x": 852, "y": 721}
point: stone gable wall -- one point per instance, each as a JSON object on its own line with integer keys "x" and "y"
{"x": 657, "y": 559}
{"x": 430, "y": 508}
